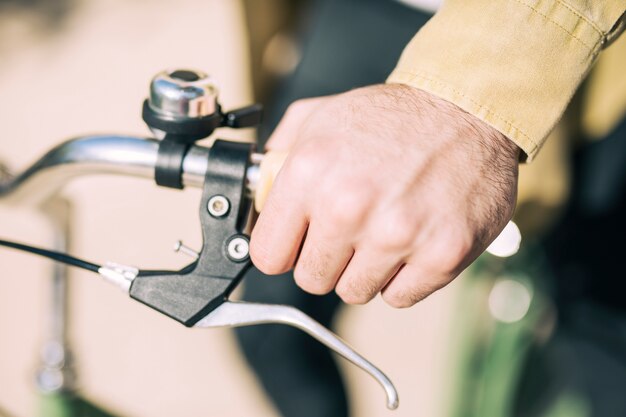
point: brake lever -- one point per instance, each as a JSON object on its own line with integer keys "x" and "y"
{"x": 238, "y": 314}
{"x": 183, "y": 108}
{"x": 197, "y": 295}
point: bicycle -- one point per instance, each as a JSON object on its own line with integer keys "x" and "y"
{"x": 182, "y": 108}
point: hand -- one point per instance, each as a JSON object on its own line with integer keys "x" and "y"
{"x": 386, "y": 188}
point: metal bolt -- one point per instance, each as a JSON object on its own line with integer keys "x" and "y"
{"x": 218, "y": 206}
{"x": 238, "y": 248}
{"x": 180, "y": 247}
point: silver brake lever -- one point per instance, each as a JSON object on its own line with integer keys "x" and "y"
{"x": 241, "y": 313}
{"x": 237, "y": 314}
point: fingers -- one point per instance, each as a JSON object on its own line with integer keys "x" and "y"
{"x": 322, "y": 260}
{"x": 412, "y": 284}
{"x": 366, "y": 274}
{"x": 435, "y": 262}
{"x": 287, "y": 132}
{"x": 281, "y": 226}
{"x": 278, "y": 232}
{"x": 388, "y": 189}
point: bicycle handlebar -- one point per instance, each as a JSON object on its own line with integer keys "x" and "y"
{"x": 103, "y": 154}
{"x": 138, "y": 157}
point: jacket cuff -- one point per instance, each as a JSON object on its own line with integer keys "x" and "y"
{"x": 515, "y": 64}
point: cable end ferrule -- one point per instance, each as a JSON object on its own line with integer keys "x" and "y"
{"x": 120, "y": 275}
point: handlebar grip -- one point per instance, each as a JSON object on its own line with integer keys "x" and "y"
{"x": 270, "y": 166}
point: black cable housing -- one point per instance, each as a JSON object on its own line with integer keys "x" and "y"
{"x": 54, "y": 255}
{"x": 80, "y": 263}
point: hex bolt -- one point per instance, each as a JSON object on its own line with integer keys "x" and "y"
{"x": 218, "y": 206}
{"x": 238, "y": 248}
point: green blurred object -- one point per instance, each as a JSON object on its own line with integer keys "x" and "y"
{"x": 68, "y": 404}
{"x": 570, "y": 404}
{"x": 507, "y": 311}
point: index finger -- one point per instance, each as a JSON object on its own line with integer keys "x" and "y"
{"x": 277, "y": 236}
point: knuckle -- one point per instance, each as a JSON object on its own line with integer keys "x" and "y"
{"x": 264, "y": 261}
{"x": 359, "y": 288}
{"x": 296, "y": 107}
{"x": 310, "y": 277}
{"x": 398, "y": 299}
{"x": 410, "y": 295}
{"x": 459, "y": 241}
{"x": 305, "y": 163}
{"x": 395, "y": 232}
{"x": 345, "y": 206}
{"x": 450, "y": 252}
{"x": 356, "y": 291}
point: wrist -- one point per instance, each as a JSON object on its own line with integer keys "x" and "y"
{"x": 469, "y": 126}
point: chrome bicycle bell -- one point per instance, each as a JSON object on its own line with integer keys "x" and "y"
{"x": 183, "y": 106}
{"x": 183, "y": 94}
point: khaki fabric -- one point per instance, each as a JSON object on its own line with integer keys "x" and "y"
{"x": 513, "y": 63}
{"x": 595, "y": 111}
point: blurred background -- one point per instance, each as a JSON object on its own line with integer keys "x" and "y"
{"x": 509, "y": 338}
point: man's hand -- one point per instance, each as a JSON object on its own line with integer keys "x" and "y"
{"x": 386, "y": 188}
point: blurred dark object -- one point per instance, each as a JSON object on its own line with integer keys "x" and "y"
{"x": 50, "y": 14}
{"x": 340, "y": 44}
{"x": 581, "y": 370}
{"x": 586, "y": 248}
{"x": 275, "y": 27}
{"x": 584, "y": 362}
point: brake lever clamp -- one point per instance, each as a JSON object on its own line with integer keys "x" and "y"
{"x": 190, "y": 294}
{"x": 197, "y": 295}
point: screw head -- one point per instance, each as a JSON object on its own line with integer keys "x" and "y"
{"x": 218, "y": 206}
{"x": 238, "y": 248}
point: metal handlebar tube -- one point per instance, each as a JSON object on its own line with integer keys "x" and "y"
{"x": 105, "y": 154}
{"x": 90, "y": 155}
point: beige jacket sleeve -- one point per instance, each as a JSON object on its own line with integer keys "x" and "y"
{"x": 513, "y": 63}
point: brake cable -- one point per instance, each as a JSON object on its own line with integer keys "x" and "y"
{"x": 65, "y": 258}
{"x": 53, "y": 255}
